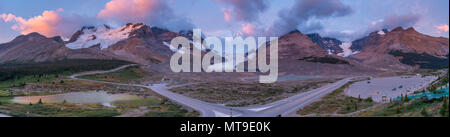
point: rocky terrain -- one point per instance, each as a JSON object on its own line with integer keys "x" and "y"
{"x": 38, "y": 48}
{"x": 299, "y": 54}
{"x": 136, "y": 43}
{"x": 402, "y": 49}
{"x": 332, "y": 45}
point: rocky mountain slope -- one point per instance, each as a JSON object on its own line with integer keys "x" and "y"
{"x": 299, "y": 55}
{"x": 398, "y": 49}
{"x": 137, "y": 43}
{"x": 402, "y": 49}
{"x": 332, "y": 45}
{"x": 38, "y": 48}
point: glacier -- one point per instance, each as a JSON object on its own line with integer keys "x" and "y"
{"x": 101, "y": 35}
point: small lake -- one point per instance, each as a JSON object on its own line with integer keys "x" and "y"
{"x": 102, "y": 98}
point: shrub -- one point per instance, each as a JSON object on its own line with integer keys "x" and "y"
{"x": 444, "y": 109}
{"x": 424, "y": 112}
{"x": 164, "y": 101}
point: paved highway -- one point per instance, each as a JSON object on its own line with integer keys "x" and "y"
{"x": 279, "y": 108}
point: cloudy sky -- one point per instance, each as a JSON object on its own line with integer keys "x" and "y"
{"x": 344, "y": 19}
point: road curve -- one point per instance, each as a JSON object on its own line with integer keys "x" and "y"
{"x": 282, "y": 107}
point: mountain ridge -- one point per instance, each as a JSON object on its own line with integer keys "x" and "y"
{"x": 378, "y": 50}
{"x": 139, "y": 43}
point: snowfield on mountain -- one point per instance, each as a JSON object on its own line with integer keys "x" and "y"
{"x": 103, "y": 35}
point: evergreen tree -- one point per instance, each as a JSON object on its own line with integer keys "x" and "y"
{"x": 446, "y": 113}
{"x": 370, "y": 99}
{"x": 406, "y": 98}
{"x": 40, "y": 101}
{"x": 444, "y": 108}
{"x": 424, "y": 112}
{"x": 433, "y": 88}
{"x": 164, "y": 101}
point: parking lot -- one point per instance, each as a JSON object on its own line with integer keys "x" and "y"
{"x": 390, "y": 87}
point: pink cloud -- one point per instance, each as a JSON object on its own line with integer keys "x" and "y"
{"x": 227, "y": 14}
{"x": 442, "y": 28}
{"x": 245, "y": 10}
{"x": 60, "y": 10}
{"x": 43, "y": 24}
{"x": 248, "y": 29}
{"x": 10, "y": 17}
{"x": 151, "y": 12}
{"x": 132, "y": 10}
{"x": 50, "y": 23}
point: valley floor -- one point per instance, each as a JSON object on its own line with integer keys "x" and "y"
{"x": 147, "y": 103}
{"x": 328, "y": 97}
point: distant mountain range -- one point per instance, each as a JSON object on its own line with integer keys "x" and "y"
{"x": 137, "y": 43}
{"x": 398, "y": 49}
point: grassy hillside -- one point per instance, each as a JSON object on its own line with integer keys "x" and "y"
{"x": 425, "y": 61}
{"x": 125, "y": 75}
{"x": 17, "y": 75}
{"x": 414, "y": 108}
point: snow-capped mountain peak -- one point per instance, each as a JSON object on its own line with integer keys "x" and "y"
{"x": 104, "y": 36}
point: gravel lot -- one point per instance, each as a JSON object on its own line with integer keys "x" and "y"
{"x": 390, "y": 87}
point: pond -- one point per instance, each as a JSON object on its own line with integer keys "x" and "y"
{"x": 102, "y": 98}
